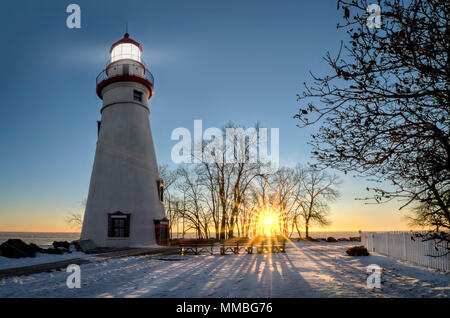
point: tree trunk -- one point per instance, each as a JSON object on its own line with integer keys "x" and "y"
{"x": 223, "y": 223}
{"x": 232, "y": 222}
{"x": 298, "y": 228}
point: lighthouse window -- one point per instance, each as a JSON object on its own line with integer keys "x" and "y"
{"x": 138, "y": 96}
{"x": 118, "y": 225}
{"x": 160, "y": 186}
{"x": 99, "y": 124}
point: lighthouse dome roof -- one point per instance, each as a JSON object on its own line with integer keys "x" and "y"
{"x": 126, "y": 39}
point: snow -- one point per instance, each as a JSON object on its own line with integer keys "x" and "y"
{"x": 40, "y": 258}
{"x": 308, "y": 269}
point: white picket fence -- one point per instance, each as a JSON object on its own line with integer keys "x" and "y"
{"x": 404, "y": 246}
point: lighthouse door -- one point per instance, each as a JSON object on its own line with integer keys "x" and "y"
{"x": 162, "y": 231}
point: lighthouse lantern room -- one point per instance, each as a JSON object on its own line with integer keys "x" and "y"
{"x": 125, "y": 196}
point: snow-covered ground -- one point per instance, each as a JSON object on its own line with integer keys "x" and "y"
{"x": 306, "y": 270}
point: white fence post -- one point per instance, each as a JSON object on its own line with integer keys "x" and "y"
{"x": 405, "y": 247}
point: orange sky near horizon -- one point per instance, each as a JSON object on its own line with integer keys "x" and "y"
{"x": 39, "y": 214}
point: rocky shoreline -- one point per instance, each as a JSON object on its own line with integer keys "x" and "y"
{"x": 16, "y": 248}
{"x": 330, "y": 239}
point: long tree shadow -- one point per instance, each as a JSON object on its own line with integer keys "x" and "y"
{"x": 243, "y": 275}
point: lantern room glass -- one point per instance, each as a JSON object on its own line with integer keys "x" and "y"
{"x": 126, "y": 51}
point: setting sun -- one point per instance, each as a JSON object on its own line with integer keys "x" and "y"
{"x": 267, "y": 221}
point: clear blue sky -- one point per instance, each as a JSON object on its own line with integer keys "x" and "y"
{"x": 219, "y": 61}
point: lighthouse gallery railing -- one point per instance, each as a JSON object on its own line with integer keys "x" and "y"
{"x": 104, "y": 74}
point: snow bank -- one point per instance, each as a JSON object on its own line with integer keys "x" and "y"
{"x": 41, "y": 258}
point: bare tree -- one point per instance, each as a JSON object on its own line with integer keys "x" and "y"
{"x": 319, "y": 189}
{"x": 208, "y": 177}
{"x": 228, "y": 179}
{"x": 243, "y": 172}
{"x": 194, "y": 196}
{"x": 384, "y": 109}
{"x": 75, "y": 220}
{"x": 424, "y": 215}
{"x": 168, "y": 176}
{"x": 288, "y": 196}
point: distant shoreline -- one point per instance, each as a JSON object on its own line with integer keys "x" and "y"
{"x": 45, "y": 239}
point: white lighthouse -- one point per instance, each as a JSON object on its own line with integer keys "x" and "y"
{"x": 124, "y": 206}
